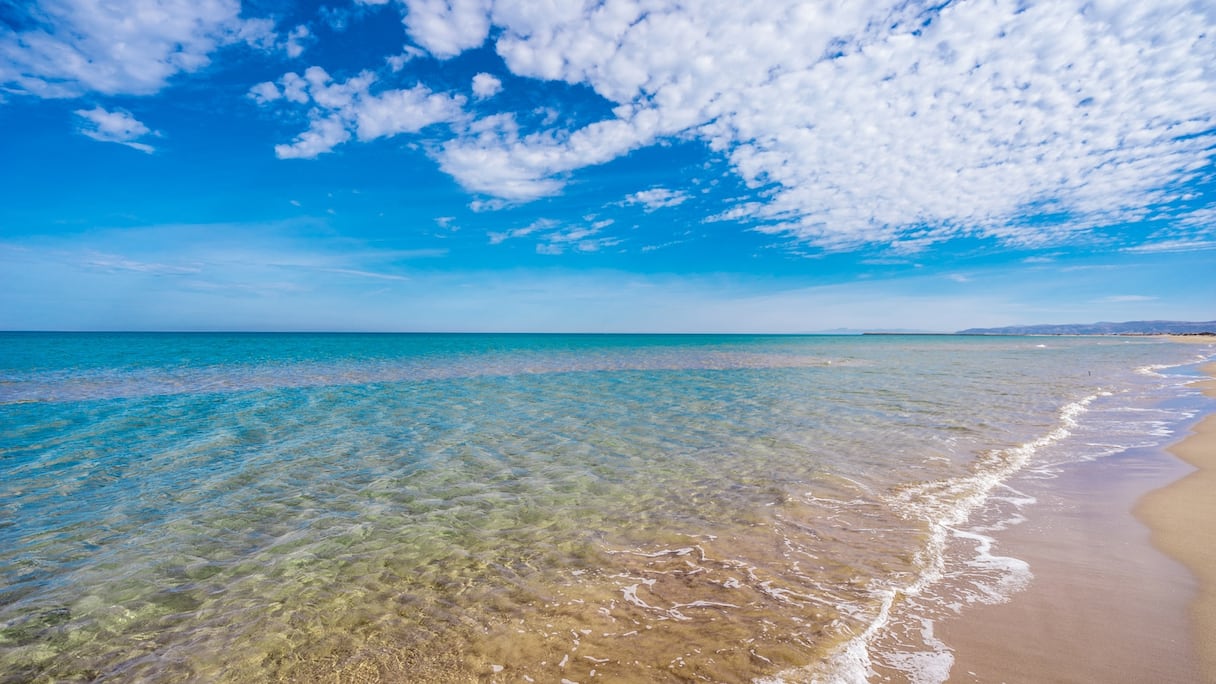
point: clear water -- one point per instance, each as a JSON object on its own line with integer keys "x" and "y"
{"x": 249, "y": 508}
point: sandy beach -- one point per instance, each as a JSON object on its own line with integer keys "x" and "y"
{"x": 1181, "y": 516}
{"x": 1106, "y": 604}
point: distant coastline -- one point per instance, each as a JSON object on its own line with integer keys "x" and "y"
{"x": 1103, "y": 328}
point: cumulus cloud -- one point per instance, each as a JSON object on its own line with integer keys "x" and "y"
{"x": 485, "y": 85}
{"x": 297, "y": 39}
{"x": 497, "y": 160}
{"x": 657, "y": 198}
{"x": 851, "y": 123}
{"x": 447, "y": 27}
{"x": 116, "y": 127}
{"x": 323, "y": 135}
{"x": 878, "y": 121}
{"x": 72, "y": 47}
{"x": 264, "y": 93}
{"x": 342, "y": 110}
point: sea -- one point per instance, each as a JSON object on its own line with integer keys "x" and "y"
{"x": 215, "y": 507}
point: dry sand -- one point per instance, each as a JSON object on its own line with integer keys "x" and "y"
{"x": 1183, "y": 519}
{"x": 1105, "y": 604}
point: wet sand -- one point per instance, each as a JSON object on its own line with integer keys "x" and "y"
{"x": 1106, "y": 605}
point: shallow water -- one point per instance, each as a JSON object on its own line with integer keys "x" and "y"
{"x": 219, "y": 507}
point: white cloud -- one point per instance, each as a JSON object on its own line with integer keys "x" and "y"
{"x": 295, "y": 88}
{"x": 739, "y": 211}
{"x": 502, "y": 163}
{"x": 408, "y": 54}
{"x": 116, "y": 127}
{"x": 339, "y": 18}
{"x": 296, "y": 40}
{"x": 263, "y": 93}
{"x": 555, "y": 238}
{"x": 322, "y": 136}
{"x": 447, "y": 27}
{"x": 1181, "y": 245}
{"x": 485, "y": 85}
{"x": 665, "y": 245}
{"x": 1188, "y": 230}
{"x": 342, "y": 110}
{"x": 1204, "y": 218}
{"x": 657, "y": 198}
{"x": 120, "y": 46}
{"x": 537, "y": 225}
{"x": 867, "y": 122}
{"x": 404, "y": 111}
{"x": 480, "y": 205}
{"x": 574, "y": 234}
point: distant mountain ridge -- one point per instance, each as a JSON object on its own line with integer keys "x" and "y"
{"x": 1103, "y": 328}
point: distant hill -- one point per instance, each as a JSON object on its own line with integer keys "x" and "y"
{"x": 1128, "y": 328}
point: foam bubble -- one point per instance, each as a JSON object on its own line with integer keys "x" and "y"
{"x": 929, "y": 666}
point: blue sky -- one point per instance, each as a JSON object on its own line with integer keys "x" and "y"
{"x": 605, "y": 166}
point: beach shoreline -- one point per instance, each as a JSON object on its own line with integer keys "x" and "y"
{"x": 1124, "y": 587}
{"x": 1179, "y": 515}
{"x": 592, "y": 509}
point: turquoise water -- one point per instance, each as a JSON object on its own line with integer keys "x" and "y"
{"x": 244, "y": 507}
